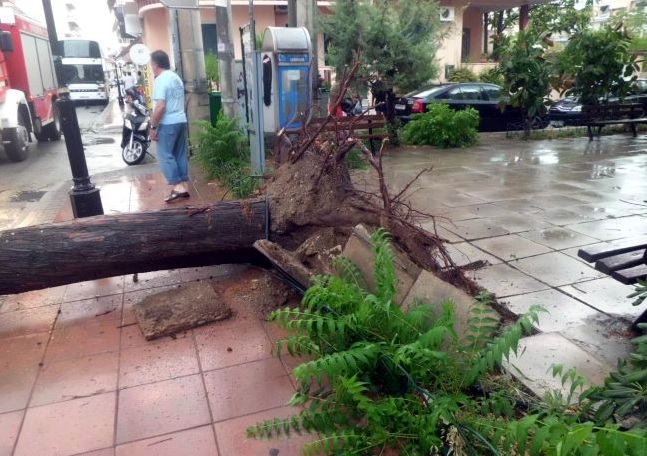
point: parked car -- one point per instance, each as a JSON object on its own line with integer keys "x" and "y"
{"x": 486, "y": 98}
{"x": 568, "y": 111}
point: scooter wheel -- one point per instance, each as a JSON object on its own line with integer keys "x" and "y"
{"x": 133, "y": 154}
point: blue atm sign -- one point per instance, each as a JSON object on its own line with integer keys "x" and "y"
{"x": 293, "y": 58}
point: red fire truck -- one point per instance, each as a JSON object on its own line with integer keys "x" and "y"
{"x": 28, "y": 85}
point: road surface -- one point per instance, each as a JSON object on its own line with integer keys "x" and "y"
{"x": 26, "y": 186}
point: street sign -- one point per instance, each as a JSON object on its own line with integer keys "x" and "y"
{"x": 180, "y": 4}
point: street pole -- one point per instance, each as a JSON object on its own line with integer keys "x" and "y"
{"x": 120, "y": 97}
{"x": 307, "y": 17}
{"x": 51, "y": 27}
{"x": 84, "y": 196}
{"x": 292, "y": 13}
{"x": 226, "y": 57}
{"x": 194, "y": 73}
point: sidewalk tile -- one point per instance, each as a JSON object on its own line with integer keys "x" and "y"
{"x": 26, "y": 322}
{"x": 247, "y": 388}
{"x": 94, "y": 289}
{"x": 9, "y": 427}
{"x": 159, "y": 408}
{"x": 232, "y": 440}
{"x": 562, "y": 311}
{"x": 556, "y": 269}
{"x": 91, "y": 310}
{"x": 74, "y": 378}
{"x": 22, "y": 352}
{"x": 196, "y": 442}
{"x": 82, "y": 340}
{"x": 502, "y": 280}
{"x": 32, "y": 299}
{"x": 231, "y": 342}
{"x": 67, "y": 428}
{"x": 161, "y": 359}
{"x": 15, "y": 387}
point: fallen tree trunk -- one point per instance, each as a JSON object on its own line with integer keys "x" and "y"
{"x": 45, "y": 256}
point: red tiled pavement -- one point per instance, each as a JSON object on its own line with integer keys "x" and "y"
{"x": 78, "y": 378}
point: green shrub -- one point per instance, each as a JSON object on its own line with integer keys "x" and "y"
{"x": 463, "y": 74}
{"x": 223, "y": 152}
{"x": 492, "y": 76}
{"x": 442, "y": 126}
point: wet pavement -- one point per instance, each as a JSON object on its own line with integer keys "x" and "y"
{"x": 526, "y": 207}
{"x": 76, "y": 376}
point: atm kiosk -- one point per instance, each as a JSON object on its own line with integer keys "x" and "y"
{"x": 287, "y": 79}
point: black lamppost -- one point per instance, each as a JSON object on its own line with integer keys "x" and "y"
{"x": 120, "y": 98}
{"x": 85, "y": 197}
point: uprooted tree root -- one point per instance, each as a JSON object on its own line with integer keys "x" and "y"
{"x": 311, "y": 189}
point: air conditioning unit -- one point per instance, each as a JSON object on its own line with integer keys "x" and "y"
{"x": 447, "y": 14}
{"x": 280, "y": 9}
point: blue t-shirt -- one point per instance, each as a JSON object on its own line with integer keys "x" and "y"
{"x": 169, "y": 87}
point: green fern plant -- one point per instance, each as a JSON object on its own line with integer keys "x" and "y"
{"x": 382, "y": 378}
{"x": 624, "y": 393}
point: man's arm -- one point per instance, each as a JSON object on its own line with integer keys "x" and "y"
{"x": 158, "y": 112}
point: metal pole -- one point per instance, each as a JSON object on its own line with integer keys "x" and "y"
{"x": 252, "y": 27}
{"x": 226, "y": 57}
{"x": 85, "y": 197}
{"x": 292, "y": 13}
{"x": 245, "y": 70}
{"x": 120, "y": 97}
{"x": 51, "y": 28}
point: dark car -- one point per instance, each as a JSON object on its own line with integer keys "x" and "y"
{"x": 486, "y": 98}
{"x": 568, "y": 111}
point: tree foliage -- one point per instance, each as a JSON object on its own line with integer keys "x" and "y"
{"x": 554, "y": 17}
{"x": 603, "y": 65}
{"x": 394, "y": 40}
{"x": 526, "y": 74}
{"x": 635, "y": 21}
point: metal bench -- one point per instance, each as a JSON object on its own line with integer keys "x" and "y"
{"x": 599, "y": 116}
{"x": 623, "y": 260}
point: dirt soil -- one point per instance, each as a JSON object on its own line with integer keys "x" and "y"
{"x": 254, "y": 291}
{"x": 300, "y": 194}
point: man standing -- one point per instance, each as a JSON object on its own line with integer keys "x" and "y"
{"x": 129, "y": 81}
{"x": 169, "y": 126}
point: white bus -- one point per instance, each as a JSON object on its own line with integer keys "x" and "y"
{"x": 82, "y": 70}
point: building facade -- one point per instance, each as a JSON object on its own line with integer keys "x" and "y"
{"x": 465, "y": 43}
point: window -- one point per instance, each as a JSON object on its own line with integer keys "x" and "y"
{"x": 491, "y": 92}
{"x": 471, "y": 92}
{"x": 454, "y": 94}
{"x": 81, "y": 49}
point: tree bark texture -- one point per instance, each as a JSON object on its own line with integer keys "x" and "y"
{"x": 90, "y": 248}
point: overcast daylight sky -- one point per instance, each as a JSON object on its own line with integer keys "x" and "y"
{"x": 94, "y": 18}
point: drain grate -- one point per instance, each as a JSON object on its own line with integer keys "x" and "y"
{"x": 27, "y": 196}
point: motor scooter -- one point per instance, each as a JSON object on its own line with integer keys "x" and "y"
{"x": 135, "y": 138}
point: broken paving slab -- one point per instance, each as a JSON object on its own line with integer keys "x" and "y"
{"x": 179, "y": 309}
{"x": 359, "y": 250}
{"x": 434, "y": 292}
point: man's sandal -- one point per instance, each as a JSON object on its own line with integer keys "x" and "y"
{"x": 175, "y": 195}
